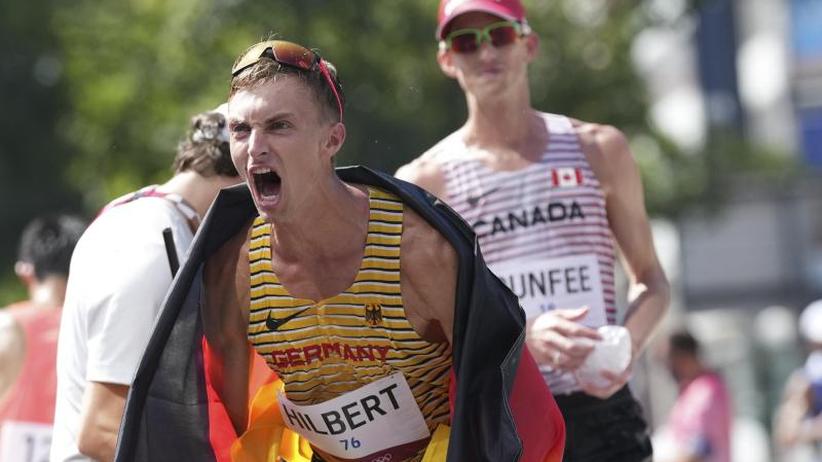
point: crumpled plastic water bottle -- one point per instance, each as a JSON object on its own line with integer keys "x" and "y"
{"x": 612, "y": 353}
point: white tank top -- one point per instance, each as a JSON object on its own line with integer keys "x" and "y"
{"x": 543, "y": 229}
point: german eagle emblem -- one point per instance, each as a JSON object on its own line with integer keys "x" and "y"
{"x": 373, "y": 314}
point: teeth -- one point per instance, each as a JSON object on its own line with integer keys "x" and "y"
{"x": 260, "y": 170}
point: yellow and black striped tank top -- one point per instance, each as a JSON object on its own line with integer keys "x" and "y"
{"x": 324, "y": 349}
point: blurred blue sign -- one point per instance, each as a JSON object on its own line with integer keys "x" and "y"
{"x": 810, "y": 122}
{"x": 806, "y": 16}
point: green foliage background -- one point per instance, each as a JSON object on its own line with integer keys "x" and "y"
{"x": 136, "y": 70}
{"x": 96, "y": 93}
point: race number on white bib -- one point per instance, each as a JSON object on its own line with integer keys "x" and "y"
{"x": 24, "y": 442}
{"x": 556, "y": 283}
{"x": 365, "y": 422}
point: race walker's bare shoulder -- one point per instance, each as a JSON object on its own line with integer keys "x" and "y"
{"x": 607, "y": 150}
{"x": 226, "y": 280}
{"x": 428, "y": 278}
{"x": 427, "y": 170}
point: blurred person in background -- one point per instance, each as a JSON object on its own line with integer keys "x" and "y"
{"x": 548, "y": 197}
{"x": 28, "y": 338}
{"x": 798, "y": 419}
{"x": 120, "y": 273}
{"x": 699, "y": 425}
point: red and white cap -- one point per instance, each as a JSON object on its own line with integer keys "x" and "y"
{"x": 510, "y": 10}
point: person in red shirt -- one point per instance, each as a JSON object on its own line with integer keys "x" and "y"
{"x": 28, "y": 338}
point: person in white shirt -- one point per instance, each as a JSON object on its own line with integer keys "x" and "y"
{"x": 120, "y": 273}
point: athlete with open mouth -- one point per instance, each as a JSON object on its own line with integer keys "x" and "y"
{"x": 391, "y": 339}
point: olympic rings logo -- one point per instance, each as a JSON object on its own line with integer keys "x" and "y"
{"x": 383, "y": 458}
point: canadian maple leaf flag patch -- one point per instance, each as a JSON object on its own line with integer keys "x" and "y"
{"x": 564, "y": 177}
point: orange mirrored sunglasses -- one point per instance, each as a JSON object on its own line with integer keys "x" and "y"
{"x": 288, "y": 54}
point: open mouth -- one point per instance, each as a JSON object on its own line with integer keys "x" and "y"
{"x": 267, "y": 183}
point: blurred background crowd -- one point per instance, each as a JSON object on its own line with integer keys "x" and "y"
{"x": 721, "y": 100}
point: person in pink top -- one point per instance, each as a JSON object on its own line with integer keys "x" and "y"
{"x": 700, "y": 421}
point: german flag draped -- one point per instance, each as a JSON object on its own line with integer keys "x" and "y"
{"x": 501, "y": 409}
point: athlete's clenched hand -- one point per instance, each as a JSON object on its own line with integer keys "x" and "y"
{"x": 557, "y": 338}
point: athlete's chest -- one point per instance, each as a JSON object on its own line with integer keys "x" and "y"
{"x": 542, "y": 199}
{"x": 317, "y": 278}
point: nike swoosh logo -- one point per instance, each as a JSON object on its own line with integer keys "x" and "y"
{"x": 474, "y": 200}
{"x": 274, "y": 324}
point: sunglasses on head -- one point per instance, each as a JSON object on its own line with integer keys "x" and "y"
{"x": 288, "y": 54}
{"x": 499, "y": 34}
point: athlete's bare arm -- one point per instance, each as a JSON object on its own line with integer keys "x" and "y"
{"x": 610, "y": 157}
{"x": 428, "y": 279}
{"x": 225, "y": 318}
{"x": 103, "y": 405}
{"x": 12, "y": 349}
{"x": 558, "y": 338}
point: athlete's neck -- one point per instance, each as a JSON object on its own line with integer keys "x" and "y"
{"x": 316, "y": 252}
{"x": 197, "y": 190}
{"x": 504, "y": 123}
{"x": 49, "y": 292}
{"x": 331, "y": 223}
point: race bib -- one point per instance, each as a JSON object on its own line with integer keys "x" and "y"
{"x": 376, "y": 422}
{"x": 24, "y": 442}
{"x": 556, "y": 283}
